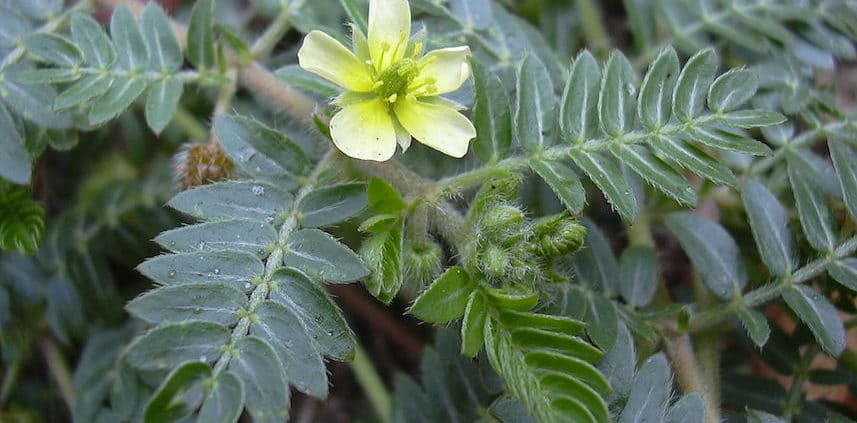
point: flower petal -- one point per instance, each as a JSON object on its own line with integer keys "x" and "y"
{"x": 436, "y": 126}
{"x": 322, "y": 55}
{"x": 365, "y": 131}
{"x": 448, "y": 68}
{"x": 389, "y": 30}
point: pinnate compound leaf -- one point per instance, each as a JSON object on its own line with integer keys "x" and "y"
{"x": 265, "y": 384}
{"x": 819, "y": 315}
{"x": 332, "y": 204}
{"x": 250, "y": 236}
{"x": 656, "y": 172}
{"x": 712, "y": 251}
{"x": 179, "y": 394}
{"x": 224, "y": 401}
{"x": 446, "y": 298}
{"x": 491, "y": 115}
{"x": 320, "y": 256}
{"x": 234, "y": 200}
{"x": 320, "y": 316}
{"x": 212, "y": 302}
{"x": 158, "y": 349}
{"x": 769, "y": 223}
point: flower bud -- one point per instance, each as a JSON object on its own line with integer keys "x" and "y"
{"x": 500, "y": 220}
{"x": 557, "y": 235}
{"x": 423, "y": 262}
{"x": 494, "y": 261}
{"x": 200, "y": 164}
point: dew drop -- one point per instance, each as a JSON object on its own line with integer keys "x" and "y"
{"x": 258, "y": 190}
{"x": 330, "y": 333}
{"x": 216, "y": 271}
{"x": 269, "y": 219}
{"x": 247, "y": 285}
{"x": 172, "y": 243}
{"x": 197, "y": 310}
{"x": 201, "y": 245}
{"x": 203, "y": 359}
{"x": 171, "y": 273}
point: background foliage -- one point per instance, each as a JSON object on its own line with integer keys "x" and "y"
{"x": 656, "y": 221}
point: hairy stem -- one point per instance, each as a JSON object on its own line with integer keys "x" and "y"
{"x": 791, "y": 406}
{"x": 372, "y": 385}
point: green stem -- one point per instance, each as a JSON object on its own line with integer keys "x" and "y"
{"x": 791, "y": 406}
{"x": 372, "y": 384}
{"x": 265, "y": 44}
{"x": 59, "y": 370}
{"x": 708, "y": 353}
{"x": 187, "y": 122}
{"x": 592, "y": 24}
{"x": 715, "y": 315}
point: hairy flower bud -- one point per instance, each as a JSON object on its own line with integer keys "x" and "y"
{"x": 200, "y": 164}
{"x": 423, "y": 262}
{"x": 557, "y": 235}
{"x": 494, "y": 261}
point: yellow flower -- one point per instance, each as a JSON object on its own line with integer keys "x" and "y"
{"x": 391, "y": 88}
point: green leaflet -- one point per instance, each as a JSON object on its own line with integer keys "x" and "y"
{"x": 712, "y": 251}
{"x": 605, "y": 172}
{"x": 97, "y": 49}
{"x": 693, "y": 84}
{"x": 638, "y": 268}
{"x": 234, "y": 200}
{"x": 616, "y": 99}
{"x": 320, "y": 256}
{"x": 162, "y": 102}
{"x": 382, "y": 253}
{"x": 14, "y": 160}
{"x": 267, "y": 141}
{"x": 211, "y": 302}
{"x": 491, "y": 115}
{"x": 332, "y": 204}
{"x": 732, "y": 89}
{"x": 688, "y": 409}
{"x": 200, "y": 35}
{"x": 446, "y": 298}
{"x": 769, "y": 223}
{"x": 250, "y": 236}
{"x": 756, "y": 325}
{"x": 179, "y": 394}
{"x": 813, "y": 309}
{"x": 265, "y": 384}
{"x": 238, "y": 269}
{"x": 224, "y": 402}
{"x": 535, "y": 113}
{"x": 564, "y": 182}
{"x": 814, "y": 213}
{"x": 844, "y": 272}
{"x": 655, "y": 101}
{"x": 166, "y": 54}
{"x": 131, "y": 48}
{"x": 157, "y": 349}
{"x": 650, "y": 392}
{"x": 53, "y": 49}
{"x": 579, "y": 109}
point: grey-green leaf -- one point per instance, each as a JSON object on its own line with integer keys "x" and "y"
{"x": 607, "y": 175}
{"x": 332, "y": 204}
{"x": 844, "y": 271}
{"x": 33, "y": 102}
{"x": 265, "y": 384}
{"x": 235, "y": 268}
{"x": 579, "y": 109}
{"x": 162, "y": 102}
{"x": 178, "y": 395}
{"x": 445, "y": 299}
{"x": 655, "y": 101}
{"x": 272, "y": 143}
{"x": 244, "y": 235}
{"x": 474, "y": 14}
{"x": 224, "y": 402}
{"x": 618, "y": 365}
{"x": 819, "y": 315}
{"x": 319, "y": 313}
{"x": 769, "y": 222}
{"x": 756, "y": 325}
{"x": 491, "y": 115}
{"x": 93, "y": 41}
{"x": 616, "y": 99}
{"x": 725, "y": 140}
{"x": 693, "y": 84}
{"x": 638, "y": 275}
{"x": 656, "y": 172}
{"x": 165, "y": 347}
{"x": 320, "y": 256}
{"x": 166, "y": 55}
{"x": 650, "y": 393}
{"x": 596, "y": 264}
{"x": 118, "y": 97}
{"x": 130, "y": 45}
{"x": 200, "y": 35}
{"x": 81, "y": 91}
{"x": 601, "y": 322}
{"x": 732, "y": 89}
{"x": 845, "y": 160}
{"x": 753, "y": 118}
{"x": 688, "y": 409}
{"x": 563, "y": 181}
{"x": 234, "y": 200}
{"x": 692, "y": 158}
{"x": 712, "y": 251}
{"x": 814, "y": 213}
{"x": 535, "y": 114}
{"x": 53, "y": 49}
{"x": 211, "y": 302}
{"x": 283, "y": 329}
{"x": 14, "y": 160}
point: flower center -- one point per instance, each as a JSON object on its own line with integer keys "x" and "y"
{"x": 393, "y": 82}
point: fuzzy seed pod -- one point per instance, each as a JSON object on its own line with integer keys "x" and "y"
{"x": 200, "y": 164}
